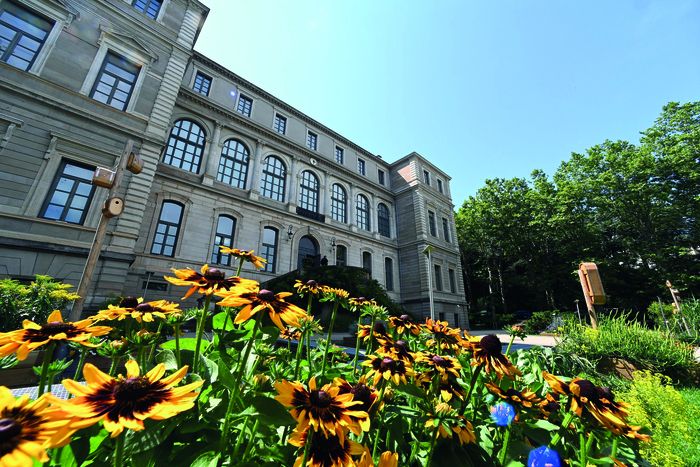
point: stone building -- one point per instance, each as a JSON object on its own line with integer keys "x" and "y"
{"x": 225, "y": 162}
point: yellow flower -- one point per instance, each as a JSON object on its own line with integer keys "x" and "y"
{"x": 33, "y": 335}
{"x": 488, "y": 352}
{"x": 136, "y": 309}
{"x": 254, "y": 300}
{"x": 388, "y": 369}
{"x": 257, "y": 261}
{"x": 310, "y": 286}
{"x": 207, "y": 281}
{"x": 325, "y": 451}
{"x": 125, "y": 402}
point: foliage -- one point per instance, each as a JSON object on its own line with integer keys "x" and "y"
{"x": 619, "y": 337}
{"x": 632, "y": 209}
{"x": 539, "y": 321}
{"x": 425, "y": 391}
{"x": 671, "y": 417}
{"x": 33, "y": 302}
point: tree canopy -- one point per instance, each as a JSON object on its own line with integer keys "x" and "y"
{"x": 632, "y": 209}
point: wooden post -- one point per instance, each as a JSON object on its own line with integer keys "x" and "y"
{"x": 589, "y": 301}
{"x": 592, "y": 289}
{"x": 675, "y": 295}
{"x": 96, "y": 248}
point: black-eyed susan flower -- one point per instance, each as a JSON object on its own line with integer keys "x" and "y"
{"x": 443, "y": 365}
{"x": 207, "y": 281}
{"x": 254, "y": 300}
{"x": 386, "y": 459}
{"x": 324, "y": 409}
{"x": 404, "y": 324}
{"x": 365, "y": 331}
{"x": 550, "y": 404}
{"x": 290, "y": 334}
{"x": 29, "y": 428}
{"x": 248, "y": 256}
{"x": 447, "y": 338}
{"x": 310, "y": 287}
{"x": 325, "y": 451}
{"x": 447, "y": 387}
{"x": 366, "y": 395}
{"x": 398, "y": 350}
{"x": 599, "y": 402}
{"x": 141, "y": 311}
{"x": 487, "y": 352}
{"x": 126, "y": 401}
{"x": 334, "y": 294}
{"x": 524, "y": 398}
{"x": 32, "y": 335}
{"x": 388, "y": 369}
{"x": 449, "y": 423}
{"x": 359, "y": 303}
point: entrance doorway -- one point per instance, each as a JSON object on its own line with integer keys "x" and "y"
{"x": 308, "y": 252}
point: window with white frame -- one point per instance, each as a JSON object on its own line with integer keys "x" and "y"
{"x": 245, "y": 105}
{"x": 280, "y": 124}
{"x": 308, "y": 191}
{"x": 361, "y": 167}
{"x": 311, "y": 140}
{"x": 381, "y": 177}
{"x": 150, "y": 7}
{"x": 167, "y": 229}
{"x": 426, "y": 177}
{"x": 383, "y": 223}
{"x": 225, "y": 229}
{"x": 362, "y": 212}
{"x": 115, "y": 81}
{"x": 441, "y": 189}
{"x": 389, "y": 274}
{"x": 339, "y": 203}
{"x": 202, "y": 83}
{"x": 233, "y": 164}
{"x": 269, "y": 248}
{"x": 22, "y": 34}
{"x": 69, "y": 198}
{"x": 339, "y": 155}
{"x": 272, "y": 184}
{"x": 185, "y": 146}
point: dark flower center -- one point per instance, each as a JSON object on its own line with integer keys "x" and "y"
{"x": 401, "y": 346}
{"x": 387, "y": 364}
{"x": 129, "y": 302}
{"x": 587, "y": 389}
{"x": 56, "y": 327}
{"x": 405, "y": 318}
{"x": 364, "y": 394}
{"x": 491, "y": 345}
{"x": 214, "y": 274}
{"x": 379, "y": 328}
{"x": 606, "y": 393}
{"x": 266, "y": 295}
{"x": 9, "y": 428}
{"x": 320, "y": 399}
{"x": 311, "y": 283}
{"x": 132, "y": 389}
{"x": 361, "y": 299}
{"x": 513, "y": 393}
{"x": 144, "y": 307}
{"x": 438, "y": 360}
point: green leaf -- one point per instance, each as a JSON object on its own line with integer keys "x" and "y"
{"x": 272, "y": 412}
{"x": 208, "y": 369}
{"x": 546, "y": 425}
{"x": 167, "y": 357}
{"x": 186, "y": 343}
{"x": 411, "y": 390}
{"x": 219, "y": 319}
{"x": 141, "y": 441}
{"x": 207, "y": 459}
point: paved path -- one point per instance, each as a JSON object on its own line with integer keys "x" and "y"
{"x": 533, "y": 339}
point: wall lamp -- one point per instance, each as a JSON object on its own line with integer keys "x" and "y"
{"x": 290, "y": 232}
{"x": 333, "y": 244}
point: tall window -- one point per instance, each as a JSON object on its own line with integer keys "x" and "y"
{"x": 426, "y": 177}
{"x": 431, "y": 223}
{"x": 308, "y": 193}
{"x": 168, "y": 229}
{"x": 272, "y": 184}
{"x": 339, "y": 203}
{"x": 453, "y": 281}
{"x": 341, "y": 255}
{"x": 362, "y": 212}
{"x": 367, "y": 261}
{"x": 202, "y": 83}
{"x": 446, "y": 229}
{"x": 269, "y": 248}
{"x": 115, "y": 81}
{"x": 233, "y": 164}
{"x": 22, "y": 34}
{"x": 440, "y": 187}
{"x": 381, "y": 176}
{"x": 311, "y": 140}
{"x": 438, "y": 278}
{"x": 280, "y": 124}
{"x": 225, "y": 228}
{"x": 185, "y": 146}
{"x": 383, "y": 224}
{"x": 150, "y": 7}
{"x": 361, "y": 167}
{"x": 389, "y": 273}
{"x": 70, "y": 194}
{"x": 339, "y": 155}
{"x": 245, "y": 105}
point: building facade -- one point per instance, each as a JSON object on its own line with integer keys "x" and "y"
{"x": 225, "y": 162}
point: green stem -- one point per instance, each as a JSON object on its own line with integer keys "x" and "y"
{"x": 240, "y": 266}
{"x": 48, "y": 355}
{"x": 300, "y": 346}
{"x": 328, "y": 340}
{"x": 200, "y": 331}
{"x": 118, "y": 455}
{"x": 583, "y": 457}
{"x": 252, "y": 439}
{"x": 472, "y": 383}
{"x": 613, "y": 452}
{"x": 565, "y": 425}
{"x": 357, "y": 348}
{"x": 429, "y": 462}
{"x": 376, "y": 442}
{"x": 308, "y": 353}
{"x": 240, "y": 439}
{"x": 113, "y": 366}
{"x": 512, "y": 338}
{"x": 81, "y": 362}
{"x": 370, "y": 344}
{"x": 504, "y": 448}
{"x": 176, "y": 328}
{"x": 155, "y": 342}
{"x": 307, "y": 446}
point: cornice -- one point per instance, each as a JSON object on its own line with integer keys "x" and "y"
{"x": 273, "y": 137}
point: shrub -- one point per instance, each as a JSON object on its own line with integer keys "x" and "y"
{"x": 672, "y": 419}
{"x": 617, "y": 337}
{"x": 539, "y": 321}
{"x": 34, "y": 301}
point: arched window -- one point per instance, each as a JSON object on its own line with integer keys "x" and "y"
{"x": 167, "y": 229}
{"x": 233, "y": 164}
{"x": 341, "y": 255}
{"x": 225, "y": 228}
{"x": 383, "y": 224}
{"x": 362, "y": 212}
{"x": 274, "y": 173}
{"x": 367, "y": 262}
{"x": 308, "y": 192}
{"x": 389, "y": 274}
{"x": 269, "y": 248}
{"x": 339, "y": 204}
{"x": 185, "y": 146}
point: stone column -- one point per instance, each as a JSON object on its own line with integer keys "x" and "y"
{"x": 212, "y": 156}
{"x": 255, "y": 164}
{"x": 293, "y": 180}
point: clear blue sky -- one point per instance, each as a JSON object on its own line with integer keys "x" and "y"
{"x": 483, "y": 89}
